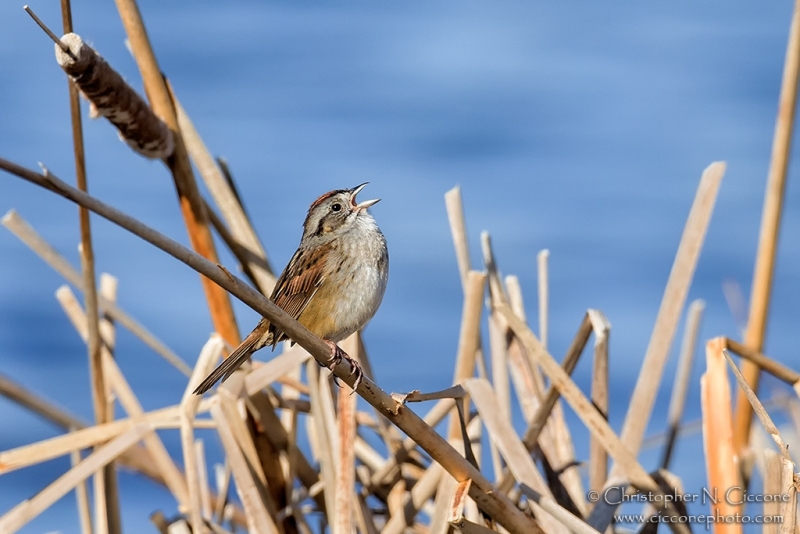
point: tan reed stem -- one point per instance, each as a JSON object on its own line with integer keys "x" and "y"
{"x": 680, "y": 277}
{"x": 497, "y": 506}
{"x": 681, "y": 384}
{"x": 255, "y": 258}
{"x": 455, "y": 214}
{"x": 101, "y": 408}
{"x": 544, "y": 293}
{"x": 28, "y": 509}
{"x": 598, "y": 457}
{"x": 775, "y": 368}
{"x": 345, "y": 463}
{"x": 26, "y": 233}
{"x": 721, "y": 460}
{"x": 591, "y": 417}
{"x": 178, "y": 162}
{"x": 770, "y": 226}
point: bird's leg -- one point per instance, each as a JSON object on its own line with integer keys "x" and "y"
{"x": 337, "y": 355}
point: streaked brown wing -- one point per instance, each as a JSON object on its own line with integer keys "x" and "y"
{"x": 298, "y": 283}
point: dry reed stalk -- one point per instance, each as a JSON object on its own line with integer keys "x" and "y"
{"x": 391, "y": 437}
{"x": 346, "y": 462}
{"x": 473, "y": 434}
{"x": 106, "y": 496}
{"x": 519, "y": 461}
{"x": 273, "y": 467}
{"x": 224, "y": 196}
{"x": 108, "y": 333}
{"x": 789, "y": 484}
{"x": 468, "y": 343}
{"x": 161, "y": 458}
{"x": 53, "y": 413}
{"x": 274, "y": 369}
{"x": 499, "y": 358}
{"x": 557, "y": 443}
{"x": 458, "y": 228}
{"x": 223, "y": 481}
{"x": 496, "y": 289}
{"x": 329, "y": 415}
{"x": 135, "y": 458}
{"x": 497, "y": 344}
{"x": 770, "y": 225}
{"x": 442, "y": 504}
{"x": 258, "y": 518}
{"x": 593, "y": 420}
{"x": 680, "y": 386}
{"x": 320, "y": 438}
{"x": 282, "y": 439}
{"x": 209, "y": 356}
{"x": 456, "y": 517}
{"x": 758, "y": 408}
{"x": 464, "y": 525}
{"x": 365, "y": 453}
{"x": 20, "y": 228}
{"x": 721, "y": 460}
{"x": 282, "y": 433}
{"x": 598, "y": 457}
{"x": 234, "y": 417}
{"x": 366, "y": 520}
{"x": 539, "y": 420}
{"x": 765, "y": 363}
{"x": 543, "y": 277}
{"x": 101, "y": 409}
{"x": 82, "y": 497}
{"x": 390, "y": 466}
{"x": 515, "y": 300}
{"x": 179, "y": 527}
{"x": 493, "y": 504}
{"x": 130, "y": 403}
{"x": 680, "y": 278}
{"x": 241, "y": 254}
{"x": 458, "y": 502}
{"x": 201, "y": 474}
{"x": 414, "y": 500}
{"x": 394, "y": 499}
{"x": 574, "y": 523}
{"x": 47, "y": 449}
{"x": 772, "y": 486}
{"x": 286, "y": 423}
{"x": 160, "y": 522}
{"x": 178, "y": 162}
{"x": 27, "y": 510}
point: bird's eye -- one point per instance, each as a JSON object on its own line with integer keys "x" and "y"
{"x": 336, "y": 207}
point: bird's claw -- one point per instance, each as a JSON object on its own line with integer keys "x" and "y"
{"x": 337, "y": 355}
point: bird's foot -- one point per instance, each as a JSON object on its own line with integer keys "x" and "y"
{"x": 337, "y": 355}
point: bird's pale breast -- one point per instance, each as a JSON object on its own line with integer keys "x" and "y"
{"x": 355, "y": 281}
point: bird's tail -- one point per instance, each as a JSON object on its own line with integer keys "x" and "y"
{"x": 231, "y": 363}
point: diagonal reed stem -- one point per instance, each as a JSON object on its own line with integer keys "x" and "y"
{"x": 495, "y": 505}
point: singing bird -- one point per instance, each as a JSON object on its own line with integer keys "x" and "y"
{"x": 333, "y": 284}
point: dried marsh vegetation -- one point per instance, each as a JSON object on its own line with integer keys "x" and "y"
{"x": 417, "y": 479}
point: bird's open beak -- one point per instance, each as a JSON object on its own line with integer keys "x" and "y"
{"x": 363, "y": 205}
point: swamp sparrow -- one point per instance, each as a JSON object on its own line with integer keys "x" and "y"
{"x": 333, "y": 284}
